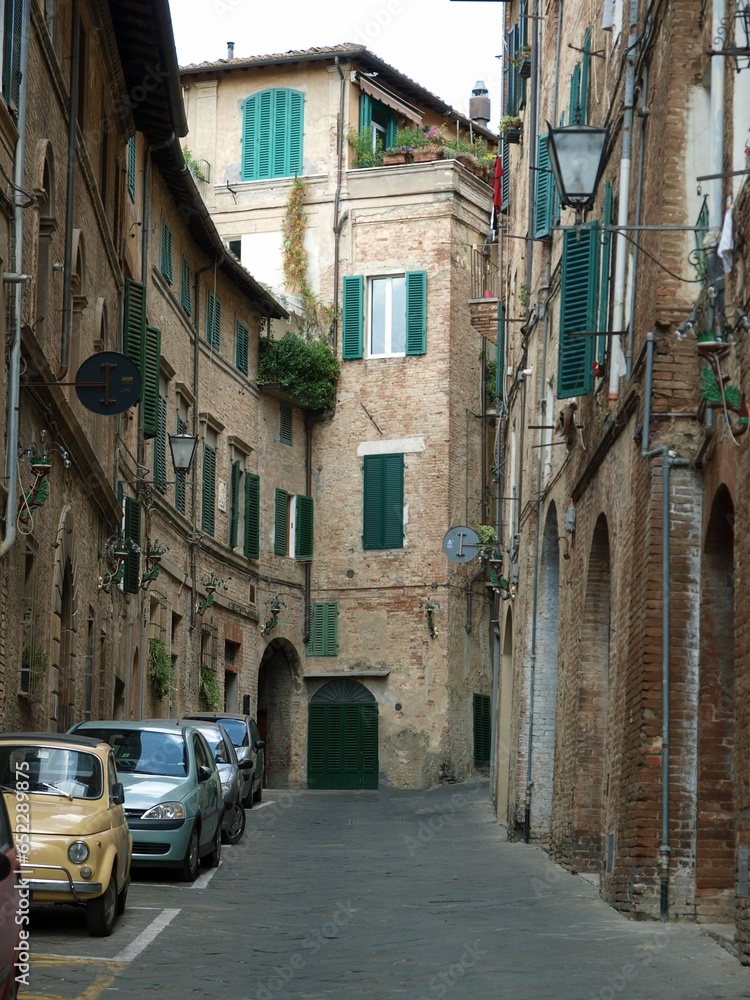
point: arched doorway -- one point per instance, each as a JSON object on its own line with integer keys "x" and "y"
{"x": 715, "y": 835}
{"x": 342, "y": 743}
{"x": 279, "y": 678}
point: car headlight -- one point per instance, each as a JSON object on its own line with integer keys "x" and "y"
{"x": 78, "y": 852}
{"x": 165, "y": 810}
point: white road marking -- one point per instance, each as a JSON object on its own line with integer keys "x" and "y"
{"x": 262, "y": 805}
{"x": 144, "y": 939}
{"x": 202, "y": 881}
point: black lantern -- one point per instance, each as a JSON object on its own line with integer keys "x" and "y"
{"x": 576, "y": 155}
{"x": 182, "y": 447}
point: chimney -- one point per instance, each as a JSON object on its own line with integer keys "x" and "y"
{"x": 230, "y": 51}
{"x": 479, "y": 105}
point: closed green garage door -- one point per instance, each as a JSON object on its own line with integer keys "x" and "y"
{"x": 342, "y": 748}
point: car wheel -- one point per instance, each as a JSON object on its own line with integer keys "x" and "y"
{"x": 122, "y": 898}
{"x": 191, "y": 861}
{"x": 101, "y": 912}
{"x": 234, "y": 834}
{"x": 258, "y": 796}
{"x": 212, "y": 859}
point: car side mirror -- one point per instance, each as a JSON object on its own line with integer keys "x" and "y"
{"x": 118, "y": 793}
{"x": 245, "y": 765}
{"x": 260, "y": 744}
{"x": 204, "y": 773}
{"x": 5, "y": 867}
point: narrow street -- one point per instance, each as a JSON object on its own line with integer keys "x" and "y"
{"x": 377, "y": 894}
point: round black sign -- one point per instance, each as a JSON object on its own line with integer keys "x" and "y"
{"x": 108, "y": 383}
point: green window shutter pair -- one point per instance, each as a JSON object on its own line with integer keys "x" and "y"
{"x": 213, "y": 321}
{"x": 281, "y": 523}
{"x": 143, "y": 346}
{"x": 166, "y": 253}
{"x": 285, "y": 424}
{"x": 323, "y": 639}
{"x": 241, "y": 347}
{"x": 185, "y": 291}
{"x": 544, "y": 192}
{"x": 353, "y": 318}
{"x": 482, "y": 729}
{"x": 272, "y": 134}
{"x": 180, "y": 488}
{"x": 506, "y": 176}
{"x": 12, "y": 53}
{"x": 383, "y": 504}
{"x": 580, "y": 271}
{"x": 208, "y": 495}
{"x": 131, "y": 577}
{"x": 234, "y": 516}
{"x": 511, "y": 88}
{"x": 160, "y": 449}
{"x": 606, "y": 263}
{"x": 131, "y": 167}
{"x": 304, "y": 537}
{"x": 252, "y": 516}
{"x": 150, "y": 374}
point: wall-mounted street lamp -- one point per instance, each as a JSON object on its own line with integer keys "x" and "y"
{"x": 153, "y": 556}
{"x": 276, "y": 606}
{"x": 183, "y": 448}
{"x": 576, "y": 155}
{"x": 117, "y": 550}
{"x": 212, "y": 584}
{"x": 430, "y": 607}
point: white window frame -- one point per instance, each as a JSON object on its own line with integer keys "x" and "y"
{"x": 388, "y": 353}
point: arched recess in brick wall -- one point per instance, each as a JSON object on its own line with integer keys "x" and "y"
{"x": 715, "y": 835}
{"x": 63, "y": 625}
{"x": 505, "y": 728}
{"x": 44, "y": 189}
{"x": 279, "y": 679}
{"x": 545, "y": 681}
{"x": 591, "y": 778}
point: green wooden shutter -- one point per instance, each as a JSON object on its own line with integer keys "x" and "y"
{"x": 160, "y": 449}
{"x": 383, "y": 502}
{"x": 323, "y": 639}
{"x": 295, "y": 133}
{"x": 208, "y": 494}
{"x": 131, "y": 167}
{"x": 365, "y": 111}
{"x": 506, "y": 176}
{"x": 285, "y": 424}
{"x": 304, "y": 537}
{"x": 601, "y": 343}
{"x": 151, "y": 370}
{"x": 281, "y": 130}
{"x": 180, "y": 482}
{"x": 416, "y": 312}
{"x": 252, "y": 516}
{"x": 482, "y": 729}
{"x": 580, "y": 260}
{"x": 391, "y": 128}
{"x": 166, "y": 253}
{"x": 185, "y": 289}
{"x": 574, "y": 108}
{"x": 213, "y": 321}
{"x": 373, "y": 528}
{"x": 134, "y": 325}
{"x": 585, "y": 77}
{"x": 12, "y": 53}
{"x": 234, "y": 516}
{"x": 543, "y": 191}
{"x": 523, "y": 39}
{"x": 281, "y": 527}
{"x": 352, "y": 325}
{"x": 393, "y": 501}
{"x": 249, "y": 138}
{"x": 241, "y": 342}
{"x": 264, "y": 135}
{"x": 131, "y": 578}
{"x": 511, "y": 88}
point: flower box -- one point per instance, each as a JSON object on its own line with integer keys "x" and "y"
{"x": 393, "y": 159}
{"x": 427, "y": 154}
{"x": 512, "y": 135}
{"x": 524, "y": 67}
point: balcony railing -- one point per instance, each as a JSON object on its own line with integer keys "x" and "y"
{"x": 485, "y": 280}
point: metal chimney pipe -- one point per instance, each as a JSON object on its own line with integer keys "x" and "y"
{"x": 230, "y": 50}
{"x": 479, "y": 105}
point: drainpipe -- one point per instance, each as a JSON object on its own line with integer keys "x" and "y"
{"x": 716, "y": 137}
{"x": 337, "y": 222}
{"x": 308, "y": 565}
{"x": 75, "y": 58}
{"x": 617, "y": 361}
{"x": 533, "y": 128}
{"x": 14, "y": 363}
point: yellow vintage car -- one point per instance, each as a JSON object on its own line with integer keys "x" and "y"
{"x": 66, "y": 809}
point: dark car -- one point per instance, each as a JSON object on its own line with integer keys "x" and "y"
{"x": 13, "y": 910}
{"x": 244, "y": 734}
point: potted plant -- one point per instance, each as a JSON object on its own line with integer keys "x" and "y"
{"x": 523, "y": 61}
{"x": 396, "y": 155}
{"x": 159, "y": 668}
{"x": 433, "y": 147}
{"x": 367, "y": 154}
{"x": 511, "y": 128}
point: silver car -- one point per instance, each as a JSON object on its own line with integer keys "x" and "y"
{"x": 243, "y": 731}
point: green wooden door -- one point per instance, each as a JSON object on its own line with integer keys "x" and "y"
{"x": 342, "y": 746}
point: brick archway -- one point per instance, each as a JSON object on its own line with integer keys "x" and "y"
{"x": 715, "y": 828}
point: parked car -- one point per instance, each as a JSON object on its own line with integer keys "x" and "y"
{"x": 64, "y": 792}
{"x": 243, "y": 731}
{"x": 231, "y": 773}
{"x": 173, "y": 799}
{"x": 12, "y": 910}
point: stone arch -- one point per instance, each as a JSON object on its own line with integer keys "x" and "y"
{"x": 44, "y": 189}
{"x": 79, "y": 303}
{"x": 63, "y": 625}
{"x": 44, "y": 177}
{"x": 715, "y": 829}
{"x": 343, "y": 691}
{"x": 505, "y": 758}
{"x": 78, "y": 260}
{"x": 589, "y": 793}
{"x": 545, "y": 681}
{"x": 279, "y": 683}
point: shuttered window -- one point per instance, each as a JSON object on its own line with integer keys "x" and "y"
{"x": 160, "y": 448}
{"x": 396, "y": 315}
{"x": 131, "y": 167}
{"x": 482, "y": 729}
{"x": 281, "y": 522}
{"x": 383, "y": 505}
{"x": 382, "y": 122}
{"x": 131, "y": 577}
{"x": 234, "y": 501}
{"x": 12, "y": 52}
{"x": 181, "y": 477}
{"x": 272, "y": 134}
{"x": 416, "y": 312}
{"x": 150, "y": 373}
{"x": 252, "y": 516}
{"x": 353, "y": 317}
{"x": 186, "y": 300}
{"x": 506, "y": 176}
{"x": 208, "y": 494}
{"x": 285, "y": 424}
{"x": 303, "y": 548}
{"x": 134, "y": 324}
{"x": 213, "y": 321}
{"x": 166, "y": 253}
{"x": 606, "y": 263}
{"x": 574, "y": 107}
{"x": 323, "y": 629}
{"x": 241, "y": 343}
{"x": 511, "y": 72}
{"x": 543, "y": 192}
{"x": 580, "y": 266}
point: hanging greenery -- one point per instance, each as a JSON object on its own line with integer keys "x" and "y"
{"x": 317, "y": 317}
{"x": 307, "y": 370}
{"x": 159, "y": 668}
{"x": 209, "y": 689}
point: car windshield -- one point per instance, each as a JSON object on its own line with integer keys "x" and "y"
{"x": 237, "y": 731}
{"x": 143, "y": 751}
{"x": 51, "y": 770}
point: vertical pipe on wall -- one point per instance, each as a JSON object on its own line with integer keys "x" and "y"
{"x": 716, "y": 137}
{"x": 75, "y": 58}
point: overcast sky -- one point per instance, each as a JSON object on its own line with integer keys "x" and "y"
{"x": 445, "y": 45}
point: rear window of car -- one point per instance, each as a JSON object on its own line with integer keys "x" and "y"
{"x": 144, "y": 751}
{"x": 52, "y": 770}
{"x": 237, "y": 731}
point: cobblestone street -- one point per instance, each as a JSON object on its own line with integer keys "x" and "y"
{"x": 377, "y": 894}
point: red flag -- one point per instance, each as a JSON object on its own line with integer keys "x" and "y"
{"x": 498, "y": 190}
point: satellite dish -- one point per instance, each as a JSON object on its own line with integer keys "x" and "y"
{"x": 108, "y": 383}
{"x": 461, "y": 544}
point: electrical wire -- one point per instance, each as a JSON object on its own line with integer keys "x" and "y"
{"x": 687, "y": 281}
